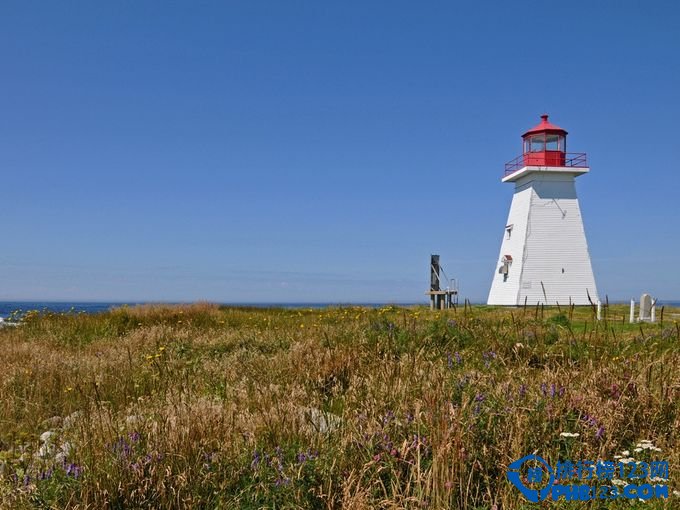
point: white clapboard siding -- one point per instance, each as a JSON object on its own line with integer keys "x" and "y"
{"x": 550, "y": 259}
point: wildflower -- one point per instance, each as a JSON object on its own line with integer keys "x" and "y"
{"x": 73, "y": 470}
{"x": 522, "y": 390}
{"x": 569, "y": 434}
{"x": 281, "y": 481}
{"x": 256, "y": 459}
{"x": 599, "y": 433}
{"x": 389, "y": 416}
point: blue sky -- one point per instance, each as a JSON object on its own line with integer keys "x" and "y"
{"x": 306, "y": 151}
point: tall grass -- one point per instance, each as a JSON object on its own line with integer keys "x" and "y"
{"x": 207, "y": 407}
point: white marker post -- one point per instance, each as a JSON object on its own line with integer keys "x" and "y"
{"x": 653, "y": 315}
{"x": 599, "y": 310}
{"x": 632, "y": 311}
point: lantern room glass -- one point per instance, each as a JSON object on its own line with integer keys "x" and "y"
{"x": 543, "y": 142}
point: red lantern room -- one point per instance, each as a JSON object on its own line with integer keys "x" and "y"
{"x": 545, "y": 144}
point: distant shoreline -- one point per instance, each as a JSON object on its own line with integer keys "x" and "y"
{"x": 7, "y": 307}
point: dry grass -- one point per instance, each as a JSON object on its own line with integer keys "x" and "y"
{"x": 207, "y": 407}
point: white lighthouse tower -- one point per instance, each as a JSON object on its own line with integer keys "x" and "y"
{"x": 544, "y": 254}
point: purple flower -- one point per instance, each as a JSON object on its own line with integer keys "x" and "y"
{"x": 256, "y": 459}
{"x": 522, "y": 390}
{"x": 600, "y": 432}
{"x": 488, "y": 357}
{"x": 389, "y": 416}
{"x": 282, "y": 481}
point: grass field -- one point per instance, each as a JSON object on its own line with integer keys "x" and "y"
{"x": 207, "y": 407}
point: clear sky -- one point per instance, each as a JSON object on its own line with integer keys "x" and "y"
{"x": 299, "y": 151}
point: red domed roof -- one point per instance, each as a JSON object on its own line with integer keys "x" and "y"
{"x": 545, "y": 127}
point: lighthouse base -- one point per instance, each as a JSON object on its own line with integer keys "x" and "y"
{"x": 544, "y": 255}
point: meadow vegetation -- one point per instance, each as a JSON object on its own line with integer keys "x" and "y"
{"x": 201, "y": 406}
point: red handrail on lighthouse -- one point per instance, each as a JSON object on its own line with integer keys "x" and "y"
{"x": 571, "y": 159}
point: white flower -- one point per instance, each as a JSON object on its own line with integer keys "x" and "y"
{"x": 637, "y": 450}
{"x": 655, "y": 449}
{"x": 676, "y": 494}
{"x": 46, "y": 436}
{"x": 618, "y": 482}
{"x": 617, "y": 456}
{"x": 625, "y": 453}
{"x": 628, "y": 460}
{"x": 569, "y": 434}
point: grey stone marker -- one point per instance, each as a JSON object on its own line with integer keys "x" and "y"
{"x": 645, "y": 307}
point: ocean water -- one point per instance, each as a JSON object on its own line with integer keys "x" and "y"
{"x": 7, "y": 307}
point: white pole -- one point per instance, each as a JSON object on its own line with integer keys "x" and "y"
{"x": 632, "y": 311}
{"x": 599, "y": 310}
{"x": 654, "y": 311}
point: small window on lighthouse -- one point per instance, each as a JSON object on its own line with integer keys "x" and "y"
{"x": 508, "y": 231}
{"x": 561, "y": 145}
{"x": 551, "y": 143}
{"x": 537, "y": 143}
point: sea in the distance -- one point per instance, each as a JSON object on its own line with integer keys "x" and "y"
{"x": 7, "y": 307}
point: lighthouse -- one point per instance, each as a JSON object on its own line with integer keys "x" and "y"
{"x": 544, "y": 254}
